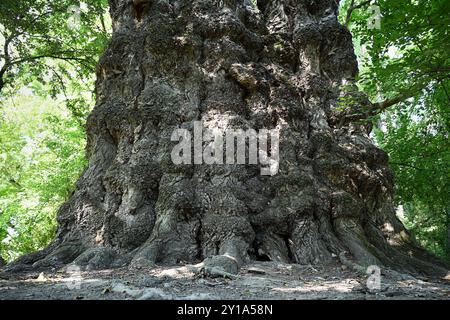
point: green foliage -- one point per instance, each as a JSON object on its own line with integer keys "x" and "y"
{"x": 48, "y": 53}
{"x": 41, "y": 156}
{"x": 405, "y": 66}
{"x": 409, "y": 54}
{"x": 51, "y": 47}
{"x": 420, "y": 157}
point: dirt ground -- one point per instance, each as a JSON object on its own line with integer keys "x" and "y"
{"x": 260, "y": 280}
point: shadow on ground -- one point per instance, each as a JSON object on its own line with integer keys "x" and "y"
{"x": 260, "y": 280}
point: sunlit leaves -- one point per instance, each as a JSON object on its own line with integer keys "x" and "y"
{"x": 409, "y": 57}
{"x": 39, "y": 45}
{"x": 41, "y": 156}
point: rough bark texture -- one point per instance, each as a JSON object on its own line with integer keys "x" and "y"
{"x": 229, "y": 64}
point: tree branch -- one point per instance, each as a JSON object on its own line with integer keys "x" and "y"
{"x": 53, "y": 55}
{"x": 349, "y": 13}
{"x": 15, "y": 183}
{"x": 354, "y": 7}
{"x": 7, "y": 62}
{"x": 102, "y": 21}
{"x": 381, "y": 106}
{"x": 401, "y": 97}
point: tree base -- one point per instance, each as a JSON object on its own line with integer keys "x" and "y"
{"x": 231, "y": 253}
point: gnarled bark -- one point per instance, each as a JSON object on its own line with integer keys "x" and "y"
{"x": 232, "y": 65}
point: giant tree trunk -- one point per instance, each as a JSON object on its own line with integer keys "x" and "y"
{"x": 232, "y": 65}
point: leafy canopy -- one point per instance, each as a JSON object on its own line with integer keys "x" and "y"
{"x": 52, "y": 43}
{"x": 405, "y": 67}
{"x": 48, "y": 52}
{"x": 41, "y": 156}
